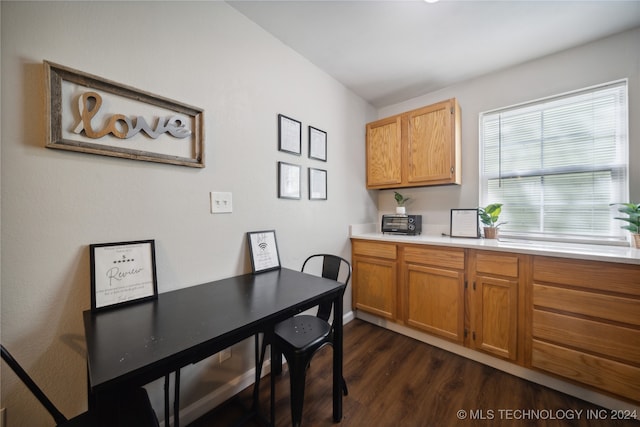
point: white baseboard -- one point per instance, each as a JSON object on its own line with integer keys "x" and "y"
{"x": 223, "y": 393}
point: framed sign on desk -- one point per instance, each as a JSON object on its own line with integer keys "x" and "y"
{"x": 122, "y": 273}
{"x": 263, "y": 249}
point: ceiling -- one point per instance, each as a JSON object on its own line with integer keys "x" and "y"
{"x": 390, "y": 51}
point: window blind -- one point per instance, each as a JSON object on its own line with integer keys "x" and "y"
{"x": 556, "y": 164}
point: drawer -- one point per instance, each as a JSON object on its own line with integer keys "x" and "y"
{"x": 613, "y": 341}
{"x": 615, "y": 377}
{"x": 592, "y": 304}
{"x": 378, "y": 250}
{"x": 496, "y": 263}
{"x": 605, "y": 276}
{"x": 437, "y": 256}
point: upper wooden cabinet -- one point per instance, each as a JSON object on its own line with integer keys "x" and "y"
{"x": 417, "y": 148}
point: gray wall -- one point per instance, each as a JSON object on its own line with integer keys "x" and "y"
{"x": 602, "y": 61}
{"x": 55, "y": 203}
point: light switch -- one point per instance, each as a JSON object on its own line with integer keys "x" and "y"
{"x": 221, "y": 202}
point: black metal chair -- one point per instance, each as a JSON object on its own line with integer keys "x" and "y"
{"x": 300, "y": 337}
{"x": 132, "y": 411}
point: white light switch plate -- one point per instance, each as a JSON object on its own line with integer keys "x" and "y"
{"x": 221, "y": 202}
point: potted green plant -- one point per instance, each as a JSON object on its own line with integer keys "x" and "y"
{"x": 633, "y": 218}
{"x": 400, "y": 200}
{"x": 489, "y": 217}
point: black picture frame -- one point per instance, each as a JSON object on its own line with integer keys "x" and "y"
{"x": 289, "y": 179}
{"x": 317, "y": 184}
{"x": 465, "y": 223}
{"x": 289, "y": 135}
{"x": 263, "y": 251}
{"x": 317, "y": 144}
{"x": 122, "y": 273}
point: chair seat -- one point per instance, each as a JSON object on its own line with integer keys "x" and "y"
{"x": 303, "y": 332}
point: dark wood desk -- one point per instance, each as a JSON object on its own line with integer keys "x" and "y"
{"x": 133, "y": 345}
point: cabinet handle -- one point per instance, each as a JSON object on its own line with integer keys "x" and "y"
{"x": 451, "y": 170}
{"x": 473, "y": 335}
{"x": 474, "y": 285}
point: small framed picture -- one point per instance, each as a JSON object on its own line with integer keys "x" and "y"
{"x": 263, "y": 250}
{"x": 317, "y": 184}
{"x": 465, "y": 223}
{"x": 289, "y": 135}
{"x": 288, "y": 181}
{"x": 122, "y": 273}
{"x": 317, "y": 144}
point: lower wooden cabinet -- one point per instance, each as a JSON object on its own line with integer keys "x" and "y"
{"x": 434, "y": 281}
{"x": 494, "y": 291}
{"x": 585, "y": 323}
{"x": 574, "y": 319}
{"x": 375, "y": 278}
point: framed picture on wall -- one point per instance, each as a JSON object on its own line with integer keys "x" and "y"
{"x": 317, "y": 144}
{"x": 263, "y": 250}
{"x": 288, "y": 181}
{"x": 317, "y": 184}
{"x": 289, "y": 135}
{"x": 122, "y": 273}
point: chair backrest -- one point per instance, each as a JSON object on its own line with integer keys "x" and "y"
{"x": 333, "y": 268}
{"x": 33, "y": 387}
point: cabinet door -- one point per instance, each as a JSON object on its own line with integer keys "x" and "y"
{"x": 495, "y": 316}
{"x": 436, "y": 300}
{"x": 374, "y": 286}
{"x": 384, "y": 152}
{"x": 430, "y": 144}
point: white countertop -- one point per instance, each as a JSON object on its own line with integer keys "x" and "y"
{"x": 621, "y": 254}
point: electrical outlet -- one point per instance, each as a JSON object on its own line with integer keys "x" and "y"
{"x": 224, "y": 355}
{"x": 221, "y": 202}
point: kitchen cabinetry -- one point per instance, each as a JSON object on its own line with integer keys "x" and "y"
{"x": 418, "y": 148}
{"x": 494, "y": 303}
{"x": 585, "y": 323}
{"x": 375, "y": 278}
{"x": 578, "y": 320}
{"x": 434, "y": 281}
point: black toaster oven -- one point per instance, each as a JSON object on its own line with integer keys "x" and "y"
{"x": 402, "y": 224}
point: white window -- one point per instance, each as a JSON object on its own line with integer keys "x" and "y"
{"x": 556, "y": 164}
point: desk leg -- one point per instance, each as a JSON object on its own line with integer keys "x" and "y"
{"x": 176, "y": 400}
{"x": 337, "y": 359}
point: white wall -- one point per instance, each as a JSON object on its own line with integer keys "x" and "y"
{"x": 602, "y": 61}
{"x": 55, "y": 203}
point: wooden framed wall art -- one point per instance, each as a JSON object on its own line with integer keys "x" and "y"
{"x": 90, "y": 114}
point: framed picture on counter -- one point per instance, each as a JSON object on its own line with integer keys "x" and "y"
{"x": 122, "y": 273}
{"x": 465, "y": 223}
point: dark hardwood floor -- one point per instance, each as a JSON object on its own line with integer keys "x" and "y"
{"x": 394, "y": 381}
